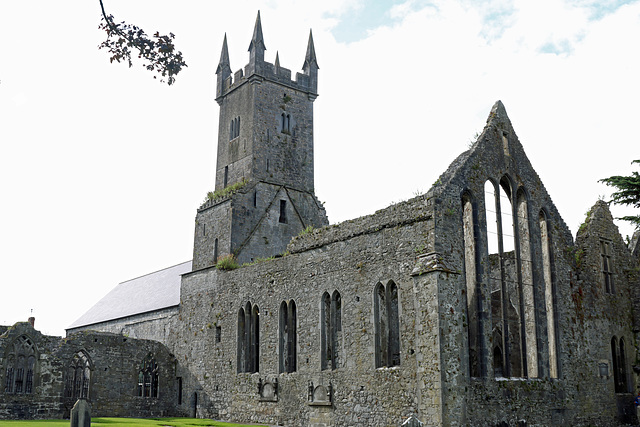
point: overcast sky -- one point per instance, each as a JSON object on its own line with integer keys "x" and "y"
{"x": 103, "y": 167}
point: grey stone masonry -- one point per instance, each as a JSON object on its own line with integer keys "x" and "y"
{"x": 470, "y": 305}
{"x": 266, "y": 120}
{"x": 265, "y": 166}
{"x": 104, "y": 368}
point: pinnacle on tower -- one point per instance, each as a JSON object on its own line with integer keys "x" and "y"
{"x": 257, "y": 47}
{"x": 277, "y": 63}
{"x": 224, "y": 65}
{"x": 224, "y": 68}
{"x": 310, "y": 57}
{"x": 310, "y": 65}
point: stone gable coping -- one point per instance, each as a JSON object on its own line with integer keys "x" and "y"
{"x": 404, "y": 213}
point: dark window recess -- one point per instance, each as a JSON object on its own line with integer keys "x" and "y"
{"x": 248, "y": 356}
{"x": 387, "y": 325}
{"x": 234, "y": 128}
{"x": 285, "y": 123}
{"x": 148, "y": 376}
{"x": 607, "y": 270}
{"x": 288, "y": 337}
{"x": 283, "y": 212}
{"x": 331, "y": 328}
{"x": 20, "y": 366}
{"x": 218, "y": 333}
{"x": 619, "y": 366}
{"x": 78, "y": 377}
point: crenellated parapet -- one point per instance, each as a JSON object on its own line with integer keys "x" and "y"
{"x": 258, "y": 70}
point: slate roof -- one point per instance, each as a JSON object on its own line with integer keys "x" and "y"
{"x": 151, "y": 292}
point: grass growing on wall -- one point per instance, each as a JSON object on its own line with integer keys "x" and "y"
{"x": 126, "y": 422}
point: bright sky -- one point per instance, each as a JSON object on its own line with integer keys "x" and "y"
{"x": 103, "y": 167}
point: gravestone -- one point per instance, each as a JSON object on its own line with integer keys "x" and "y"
{"x": 81, "y": 414}
{"x": 412, "y": 421}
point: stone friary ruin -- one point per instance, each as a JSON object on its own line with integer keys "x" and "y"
{"x": 469, "y": 305}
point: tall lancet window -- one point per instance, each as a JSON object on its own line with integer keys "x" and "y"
{"x": 288, "y": 336}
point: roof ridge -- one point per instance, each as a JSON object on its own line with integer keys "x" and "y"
{"x": 154, "y": 272}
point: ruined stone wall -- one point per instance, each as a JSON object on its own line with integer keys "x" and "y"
{"x": 602, "y": 313}
{"x": 46, "y": 399}
{"x": 351, "y": 258}
{"x": 579, "y": 395}
{"x": 115, "y": 362}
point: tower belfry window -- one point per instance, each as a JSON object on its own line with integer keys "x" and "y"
{"x": 234, "y": 128}
{"x": 285, "y": 123}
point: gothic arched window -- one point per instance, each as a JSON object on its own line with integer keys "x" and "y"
{"x": 148, "y": 377}
{"x": 288, "y": 336}
{"x": 387, "y": 325}
{"x": 248, "y": 339}
{"x": 234, "y": 128}
{"x": 285, "y": 123}
{"x": 619, "y": 366}
{"x": 78, "y": 377}
{"x": 20, "y": 366}
{"x": 331, "y": 326}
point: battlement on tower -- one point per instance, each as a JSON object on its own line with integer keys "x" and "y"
{"x": 272, "y": 72}
{"x": 258, "y": 70}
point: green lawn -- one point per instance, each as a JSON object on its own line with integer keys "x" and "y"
{"x": 127, "y": 422}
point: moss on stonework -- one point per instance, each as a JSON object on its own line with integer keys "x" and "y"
{"x": 227, "y": 263}
{"x": 225, "y": 192}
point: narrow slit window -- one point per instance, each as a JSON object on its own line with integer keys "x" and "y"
{"x": 283, "y": 212}
{"x": 607, "y": 270}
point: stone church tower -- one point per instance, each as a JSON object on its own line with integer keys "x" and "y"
{"x": 264, "y": 174}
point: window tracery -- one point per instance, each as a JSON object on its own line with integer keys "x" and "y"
{"x": 148, "y": 376}
{"x": 78, "y": 378}
{"x": 21, "y": 366}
